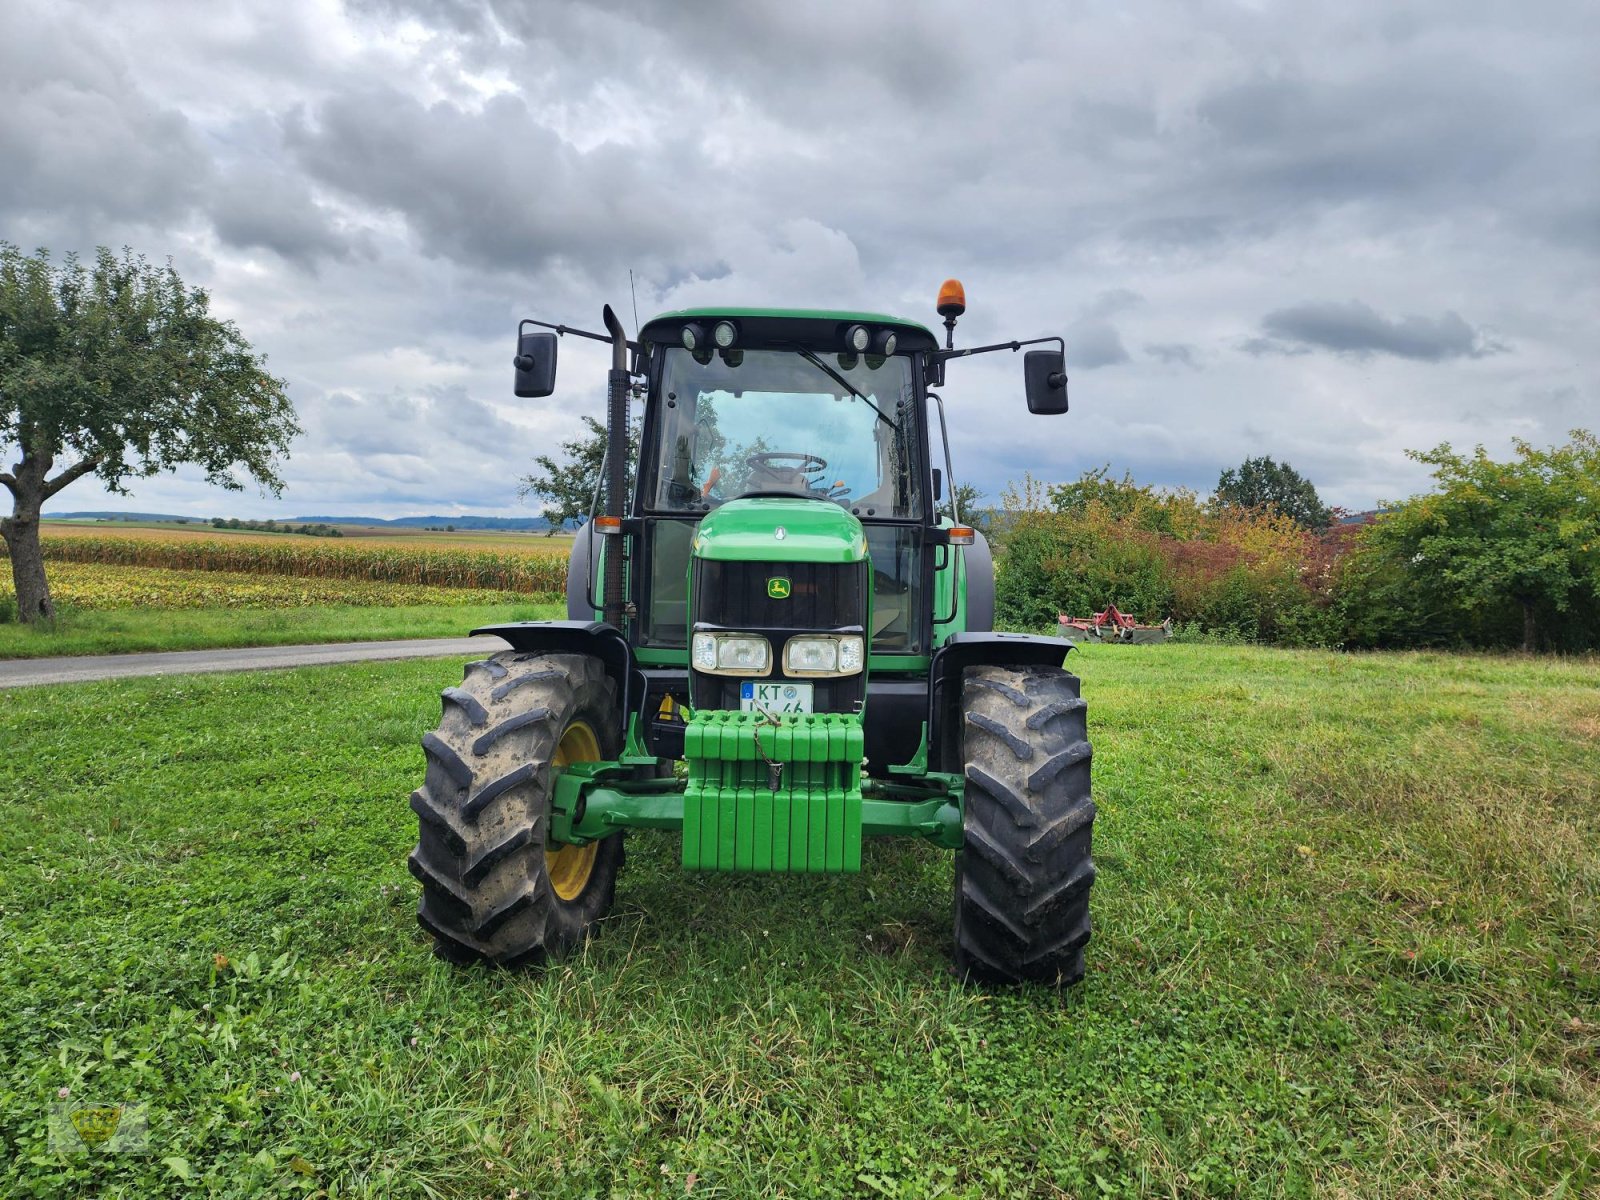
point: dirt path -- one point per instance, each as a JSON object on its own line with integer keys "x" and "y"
{"x": 28, "y": 672}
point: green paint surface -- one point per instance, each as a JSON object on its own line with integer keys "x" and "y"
{"x": 808, "y": 314}
{"x": 780, "y": 529}
{"x": 735, "y": 820}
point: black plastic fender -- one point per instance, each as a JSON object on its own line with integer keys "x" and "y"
{"x": 594, "y": 638}
{"x": 963, "y": 650}
{"x": 979, "y": 565}
{"x": 580, "y": 575}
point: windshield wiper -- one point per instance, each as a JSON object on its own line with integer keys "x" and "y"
{"x": 811, "y": 358}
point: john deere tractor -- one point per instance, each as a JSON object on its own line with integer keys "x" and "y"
{"x": 780, "y": 595}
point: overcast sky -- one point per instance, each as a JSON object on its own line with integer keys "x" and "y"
{"x": 1326, "y": 233}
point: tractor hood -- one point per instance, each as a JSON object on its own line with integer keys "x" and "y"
{"x": 780, "y": 529}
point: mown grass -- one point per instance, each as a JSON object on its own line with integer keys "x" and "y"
{"x": 1347, "y": 943}
{"x": 120, "y": 631}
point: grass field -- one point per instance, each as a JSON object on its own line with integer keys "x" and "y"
{"x": 1347, "y": 943}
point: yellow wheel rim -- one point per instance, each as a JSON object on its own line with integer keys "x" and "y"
{"x": 570, "y": 867}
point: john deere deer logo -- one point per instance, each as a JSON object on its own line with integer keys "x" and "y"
{"x": 778, "y": 588}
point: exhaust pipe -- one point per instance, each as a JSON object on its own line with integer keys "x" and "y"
{"x": 614, "y": 602}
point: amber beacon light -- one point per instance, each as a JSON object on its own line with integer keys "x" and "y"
{"x": 952, "y": 303}
{"x": 952, "y": 298}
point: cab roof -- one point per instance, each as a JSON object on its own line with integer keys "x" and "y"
{"x": 812, "y": 327}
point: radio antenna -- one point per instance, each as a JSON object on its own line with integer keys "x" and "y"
{"x": 635, "y": 296}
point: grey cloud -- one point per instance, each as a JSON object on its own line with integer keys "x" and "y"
{"x": 1259, "y": 346}
{"x": 1437, "y": 126}
{"x": 1174, "y": 354}
{"x": 1176, "y": 232}
{"x": 1408, "y": 135}
{"x": 261, "y": 207}
{"x": 463, "y": 16}
{"x": 1092, "y": 340}
{"x": 427, "y": 445}
{"x": 78, "y": 138}
{"x": 1110, "y": 303}
{"x": 780, "y": 47}
{"x": 1092, "y": 344}
{"x": 1356, "y": 329}
{"x": 494, "y": 189}
{"x": 427, "y": 424}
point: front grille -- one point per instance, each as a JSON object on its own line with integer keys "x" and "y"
{"x": 823, "y": 597}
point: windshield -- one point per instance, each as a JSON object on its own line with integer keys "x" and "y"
{"x": 748, "y": 422}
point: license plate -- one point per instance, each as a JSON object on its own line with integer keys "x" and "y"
{"x": 775, "y": 697}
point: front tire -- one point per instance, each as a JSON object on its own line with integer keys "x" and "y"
{"x": 1024, "y": 871}
{"x": 494, "y": 887}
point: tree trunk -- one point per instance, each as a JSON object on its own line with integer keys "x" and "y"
{"x": 21, "y": 532}
{"x": 30, "y": 486}
{"x": 1530, "y": 628}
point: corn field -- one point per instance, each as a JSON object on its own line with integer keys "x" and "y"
{"x": 102, "y": 588}
{"x": 415, "y": 566}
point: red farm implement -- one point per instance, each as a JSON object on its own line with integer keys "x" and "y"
{"x": 1112, "y": 625}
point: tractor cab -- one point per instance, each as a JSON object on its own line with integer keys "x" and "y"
{"x": 789, "y": 411}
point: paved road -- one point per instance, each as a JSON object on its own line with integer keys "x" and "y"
{"x": 26, "y": 672}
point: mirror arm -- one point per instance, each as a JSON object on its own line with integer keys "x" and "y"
{"x": 942, "y": 356}
{"x": 562, "y": 330}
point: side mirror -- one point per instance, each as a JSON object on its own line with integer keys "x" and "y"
{"x": 938, "y": 485}
{"x": 1045, "y": 373}
{"x": 536, "y": 364}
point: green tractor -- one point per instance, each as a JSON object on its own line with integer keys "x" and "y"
{"x": 780, "y": 597}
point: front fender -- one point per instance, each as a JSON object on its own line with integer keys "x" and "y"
{"x": 580, "y": 576}
{"x": 963, "y": 650}
{"x": 595, "y": 638}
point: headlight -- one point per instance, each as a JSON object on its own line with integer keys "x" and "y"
{"x": 836, "y": 654}
{"x": 731, "y": 654}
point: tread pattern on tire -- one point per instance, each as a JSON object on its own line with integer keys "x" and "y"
{"x": 1024, "y": 873}
{"x": 483, "y": 810}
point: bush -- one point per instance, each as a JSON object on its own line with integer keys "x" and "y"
{"x": 1236, "y": 575}
{"x": 1499, "y": 554}
{"x": 1077, "y": 564}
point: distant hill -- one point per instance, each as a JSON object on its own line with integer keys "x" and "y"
{"x": 530, "y": 524}
{"x": 118, "y": 516}
{"x": 460, "y": 522}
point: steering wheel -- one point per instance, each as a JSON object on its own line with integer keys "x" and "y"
{"x": 804, "y": 463}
